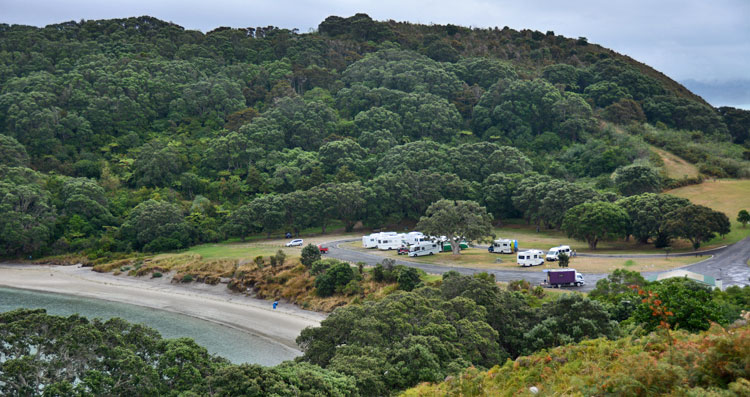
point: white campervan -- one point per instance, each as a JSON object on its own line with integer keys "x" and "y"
{"x": 424, "y": 248}
{"x": 390, "y": 242}
{"x": 370, "y": 241}
{"x": 554, "y": 252}
{"x": 412, "y": 238}
{"x": 503, "y": 246}
{"x": 530, "y": 258}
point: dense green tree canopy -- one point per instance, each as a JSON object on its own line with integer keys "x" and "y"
{"x": 595, "y": 221}
{"x": 457, "y": 220}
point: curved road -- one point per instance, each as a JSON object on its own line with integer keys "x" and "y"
{"x": 729, "y": 265}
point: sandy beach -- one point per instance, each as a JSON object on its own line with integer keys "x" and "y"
{"x": 212, "y": 303}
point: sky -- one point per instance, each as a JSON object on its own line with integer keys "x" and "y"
{"x": 703, "y": 43}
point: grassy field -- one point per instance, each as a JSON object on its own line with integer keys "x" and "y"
{"x": 726, "y": 195}
{"x": 676, "y": 167}
{"x": 480, "y": 258}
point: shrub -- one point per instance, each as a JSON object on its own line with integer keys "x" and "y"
{"x": 187, "y": 278}
{"x": 156, "y": 274}
{"x": 408, "y": 278}
{"x": 310, "y": 255}
{"x": 280, "y": 257}
{"x": 334, "y": 279}
{"x": 378, "y": 273}
{"x": 352, "y": 288}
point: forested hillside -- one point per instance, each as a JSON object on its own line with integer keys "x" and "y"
{"x": 136, "y": 134}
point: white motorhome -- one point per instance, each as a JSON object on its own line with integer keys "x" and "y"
{"x": 412, "y": 238}
{"x": 370, "y": 241}
{"x": 424, "y": 248}
{"x": 390, "y": 242}
{"x": 530, "y": 258}
{"x": 554, "y": 252}
{"x": 503, "y": 246}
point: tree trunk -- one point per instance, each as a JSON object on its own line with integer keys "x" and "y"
{"x": 592, "y": 243}
{"x": 349, "y": 226}
{"x": 455, "y": 246}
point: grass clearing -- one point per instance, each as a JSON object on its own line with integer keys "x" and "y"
{"x": 726, "y": 195}
{"x": 676, "y": 167}
{"x": 480, "y": 258}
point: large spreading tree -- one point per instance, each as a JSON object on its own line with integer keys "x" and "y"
{"x": 457, "y": 220}
{"x": 594, "y": 222}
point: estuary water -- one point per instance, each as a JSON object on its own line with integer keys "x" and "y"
{"x": 232, "y": 344}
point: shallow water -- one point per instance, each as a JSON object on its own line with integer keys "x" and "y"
{"x": 235, "y": 345}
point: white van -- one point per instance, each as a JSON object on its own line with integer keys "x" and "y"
{"x": 530, "y": 258}
{"x": 424, "y": 248}
{"x": 391, "y": 242}
{"x": 554, "y": 252}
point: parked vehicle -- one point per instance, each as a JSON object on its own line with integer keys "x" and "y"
{"x": 390, "y": 242}
{"x": 424, "y": 248}
{"x": 371, "y": 240}
{"x": 503, "y": 246}
{"x": 530, "y": 258}
{"x": 564, "y": 278}
{"x": 322, "y": 249}
{"x": 295, "y": 243}
{"x": 412, "y": 238}
{"x": 554, "y": 252}
{"x": 403, "y": 250}
{"x": 461, "y": 246}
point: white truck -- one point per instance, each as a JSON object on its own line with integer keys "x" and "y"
{"x": 424, "y": 248}
{"x": 503, "y": 246}
{"x": 555, "y": 252}
{"x": 530, "y": 258}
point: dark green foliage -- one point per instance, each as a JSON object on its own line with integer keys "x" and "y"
{"x": 617, "y": 294}
{"x": 636, "y": 179}
{"x": 156, "y": 226}
{"x": 12, "y": 153}
{"x": 696, "y": 223}
{"x": 563, "y": 260}
{"x": 691, "y": 304}
{"x": 408, "y": 279}
{"x": 648, "y": 214}
{"x": 116, "y": 358}
{"x": 456, "y": 220}
{"x": 310, "y": 254}
{"x": 360, "y": 121}
{"x": 595, "y": 221}
{"x": 743, "y": 217}
{"x": 334, "y": 279}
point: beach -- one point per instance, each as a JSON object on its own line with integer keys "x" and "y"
{"x": 211, "y": 303}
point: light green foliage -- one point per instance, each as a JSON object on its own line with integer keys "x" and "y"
{"x": 595, "y": 221}
{"x": 334, "y": 279}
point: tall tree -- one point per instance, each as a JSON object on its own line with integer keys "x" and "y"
{"x": 595, "y": 221}
{"x": 457, "y": 220}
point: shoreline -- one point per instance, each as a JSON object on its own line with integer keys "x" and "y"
{"x": 215, "y": 304}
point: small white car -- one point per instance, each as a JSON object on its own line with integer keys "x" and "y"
{"x": 295, "y": 243}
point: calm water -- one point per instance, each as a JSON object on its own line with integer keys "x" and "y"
{"x": 235, "y": 345}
